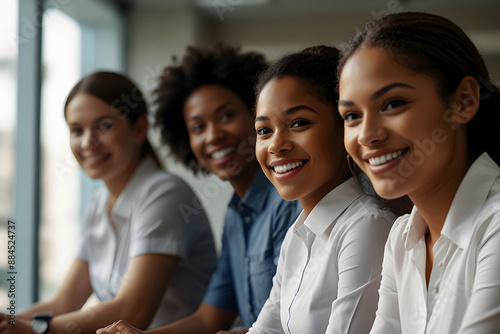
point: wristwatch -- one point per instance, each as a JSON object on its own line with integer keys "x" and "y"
{"x": 40, "y": 323}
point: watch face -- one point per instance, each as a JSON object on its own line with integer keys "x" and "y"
{"x": 39, "y": 325}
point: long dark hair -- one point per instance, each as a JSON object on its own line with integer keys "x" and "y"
{"x": 120, "y": 93}
{"x": 432, "y": 45}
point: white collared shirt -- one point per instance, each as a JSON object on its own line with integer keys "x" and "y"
{"x": 463, "y": 295}
{"x": 156, "y": 213}
{"x": 329, "y": 268}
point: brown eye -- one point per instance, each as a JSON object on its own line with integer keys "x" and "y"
{"x": 106, "y": 126}
{"x": 299, "y": 123}
{"x": 394, "y": 104}
{"x": 263, "y": 131}
{"x": 351, "y": 116}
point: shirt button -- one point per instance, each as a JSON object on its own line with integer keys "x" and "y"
{"x": 247, "y": 260}
{"x": 248, "y": 219}
{"x": 436, "y": 288}
{"x": 241, "y": 208}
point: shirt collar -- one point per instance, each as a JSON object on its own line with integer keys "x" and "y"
{"x": 466, "y": 204}
{"x": 256, "y": 195}
{"x": 330, "y": 207}
{"x": 415, "y": 230}
{"x": 469, "y": 200}
{"x": 124, "y": 203}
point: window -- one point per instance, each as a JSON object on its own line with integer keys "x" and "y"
{"x": 41, "y": 186}
{"x": 60, "y": 181}
{"x": 8, "y": 79}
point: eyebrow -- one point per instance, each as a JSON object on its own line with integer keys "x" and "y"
{"x": 96, "y": 120}
{"x": 217, "y": 110}
{"x": 378, "y": 93}
{"x": 287, "y": 112}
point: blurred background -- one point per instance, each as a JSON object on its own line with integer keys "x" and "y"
{"x": 46, "y": 46}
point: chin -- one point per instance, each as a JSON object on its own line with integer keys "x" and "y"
{"x": 389, "y": 191}
{"x": 287, "y": 194}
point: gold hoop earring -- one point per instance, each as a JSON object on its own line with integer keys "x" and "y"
{"x": 352, "y": 165}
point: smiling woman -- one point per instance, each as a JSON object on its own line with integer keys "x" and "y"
{"x": 330, "y": 262}
{"x": 421, "y": 118}
{"x": 137, "y": 245}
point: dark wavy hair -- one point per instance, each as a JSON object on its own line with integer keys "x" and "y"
{"x": 119, "y": 92}
{"x": 220, "y": 65}
{"x": 314, "y": 68}
{"x": 432, "y": 45}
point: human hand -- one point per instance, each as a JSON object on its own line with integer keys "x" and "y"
{"x": 9, "y": 325}
{"x": 119, "y": 327}
{"x": 238, "y": 331}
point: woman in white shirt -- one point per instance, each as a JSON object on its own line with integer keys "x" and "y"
{"x": 421, "y": 118}
{"x": 330, "y": 264}
{"x": 146, "y": 249}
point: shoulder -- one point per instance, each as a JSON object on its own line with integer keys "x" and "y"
{"x": 397, "y": 233}
{"x": 160, "y": 183}
{"x": 368, "y": 209}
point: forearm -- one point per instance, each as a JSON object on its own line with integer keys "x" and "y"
{"x": 190, "y": 325}
{"x": 207, "y": 319}
{"x": 45, "y": 307}
{"x": 93, "y": 318}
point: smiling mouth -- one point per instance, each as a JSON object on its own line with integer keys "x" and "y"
{"x": 222, "y": 153}
{"x": 280, "y": 169}
{"x": 377, "y": 161}
{"x": 93, "y": 160}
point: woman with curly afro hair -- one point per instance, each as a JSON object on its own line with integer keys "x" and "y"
{"x": 204, "y": 111}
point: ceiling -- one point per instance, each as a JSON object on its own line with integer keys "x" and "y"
{"x": 269, "y": 8}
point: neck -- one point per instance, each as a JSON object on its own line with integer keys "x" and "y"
{"x": 242, "y": 182}
{"x": 309, "y": 202}
{"x": 116, "y": 185}
{"x": 434, "y": 201}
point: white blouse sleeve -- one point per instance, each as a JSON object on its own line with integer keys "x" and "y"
{"x": 387, "y": 318}
{"x": 159, "y": 223}
{"x": 359, "y": 258}
{"x": 482, "y": 314}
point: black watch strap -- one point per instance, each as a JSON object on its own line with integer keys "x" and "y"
{"x": 40, "y": 323}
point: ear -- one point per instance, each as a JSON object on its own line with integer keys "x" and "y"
{"x": 141, "y": 129}
{"x": 465, "y": 101}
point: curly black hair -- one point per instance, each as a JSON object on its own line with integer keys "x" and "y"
{"x": 221, "y": 65}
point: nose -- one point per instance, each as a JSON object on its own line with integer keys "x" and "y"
{"x": 90, "y": 139}
{"x": 372, "y": 131}
{"x": 280, "y": 143}
{"x": 214, "y": 134}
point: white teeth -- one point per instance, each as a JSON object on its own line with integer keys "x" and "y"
{"x": 96, "y": 159}
{"x": 385, "y": 158}
{"x": 287, "y": 167}
{"x": 222, "y": 153}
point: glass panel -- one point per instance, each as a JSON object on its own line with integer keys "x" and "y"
{"x": 60, "y": 183}
{"x": 8, "y": 78}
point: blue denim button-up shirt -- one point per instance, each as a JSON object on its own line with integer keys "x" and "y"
{"x": 254, "y": 229}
